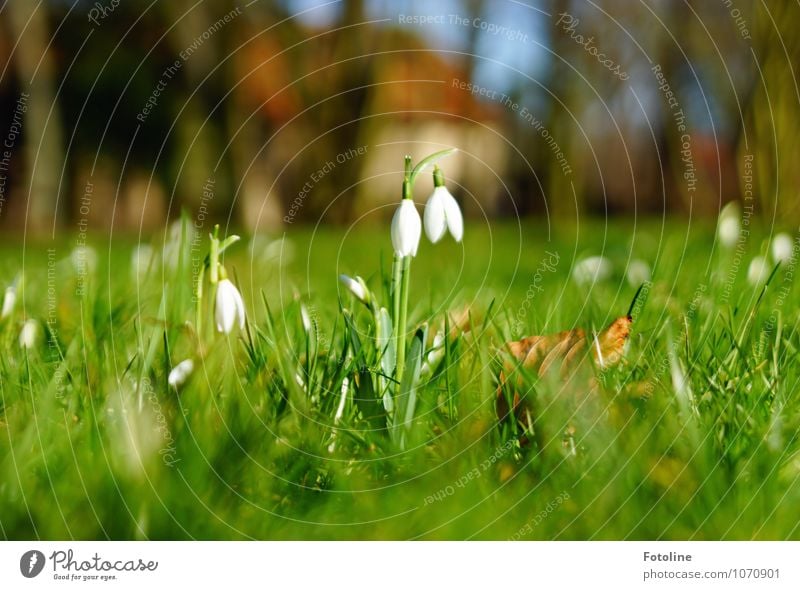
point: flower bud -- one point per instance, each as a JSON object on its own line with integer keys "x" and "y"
{"x": 229, "y": 308}
{"x": 406, "y": 229}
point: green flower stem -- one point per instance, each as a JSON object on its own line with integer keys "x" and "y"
{"x": 401, "y": 328}
{"x": 198, "y": 310}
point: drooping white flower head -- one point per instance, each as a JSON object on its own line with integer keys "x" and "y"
{"x": 357, "y": 287}
{"x": 305, "y": 318}
{"x": 435, "y": 355}
{"x": 180, "y": 373}
{"x": 758, "y": 271}
{"x": 782, "y": 247}
{"x": 142, "y": 259}
{"x": 229, "y": 308}
{"x": 9, "y": 301}
{"x": 406, "y": 229}
{"x": 29, "y": 334}
{"x": 729, "y": 225}
{"x": 638, "y": 272}
{"x": 442, "y": 212}
{"x": 84, "y": 259}
{"x": 592, "y": 270}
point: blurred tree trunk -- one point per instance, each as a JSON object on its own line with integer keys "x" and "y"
{"x": 773, "y": 124}
{"x": 199, "y": 134}
{"x": 343, "y": 115}
{"x": 559, "y": 186}
{"x": 42, "y": 133}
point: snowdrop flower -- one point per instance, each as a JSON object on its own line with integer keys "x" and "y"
{"x": 442, "y": 212}
{"x": 729, "y": 224}
{"x": 406, "y": 229}
{"x": 230, "y": 307}
{"x": 180, "y": 373}
{"x": 141, "y": 261}
{"x": 29, "y": 334}
{"x": 84, "y": 259}
{"x": 357, "y": 287}
{"x": 339, "y": 413}
{"x": 9, "y": 301}
{"x": 591, "y": 270}
{"x": 758, "y": 271}
{"x": 782, "y": 247}
{"x": 435, "y": 355}
{"x": 305, "y": 318}
{"x": 638, "y": 272}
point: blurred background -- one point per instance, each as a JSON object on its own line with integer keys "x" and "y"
{"x": 117, "y": 114}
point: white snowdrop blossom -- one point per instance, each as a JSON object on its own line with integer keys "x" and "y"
{"x": 142, "y": 259}
{"x": 29, "y": 334}
{"x": 229, "y": 308}
{"x": 592, "y": 270}
{"x": 305, "y": 318}
{"x": 729, "y": 225}
{"x": 782, "y": 247}
{"x": 357, "y": 287}
{"x": 638, "y": 272}
{"x": 84, "y": 259}
{"x": 758, "y": 271}
{"x": 9, "y": 301}
{"x": 406, "y": 229}
{"x": 442, "y": 213}
{"x": 435, "y": 355}
{"x": 180, "y": 373}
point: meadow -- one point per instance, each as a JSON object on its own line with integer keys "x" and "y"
{"x": 278, "y": 432}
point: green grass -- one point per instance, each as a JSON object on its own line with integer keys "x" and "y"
{"x": 94, "y": 444}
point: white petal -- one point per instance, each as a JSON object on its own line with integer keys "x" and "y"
{"x": 305, "y": 318}
{"x": 455, "y": 221}
{"x": 729, "y": 225}
{"x": 434, "y": 217}
{"x": 237, "y": 298}
{"x": 638, "y": 272}
{"x": 406, "y": 229}
{"x": 591, "y": 270}
{"x": 354, "y": 286}
{"x": 227, "y": 306}
{"x": 8, "y": 302}
{"x": 180, "y": 373}
{"x": 29, "y": 334}
{"x": 758, "y": 271}
{"x": 782, "y": 247}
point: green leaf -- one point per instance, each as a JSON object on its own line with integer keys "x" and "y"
{"x": 406, "y": 403}
{"x": 367, "y": 402}
{"x": 425, "y": 162}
